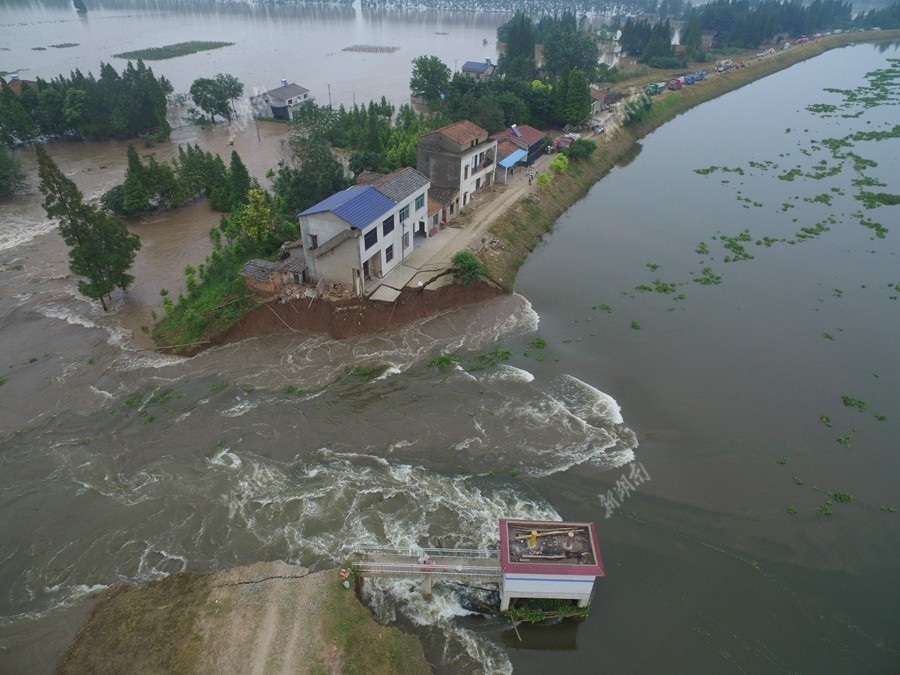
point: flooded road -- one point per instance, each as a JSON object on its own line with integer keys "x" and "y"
{"x": 121, "y": 465}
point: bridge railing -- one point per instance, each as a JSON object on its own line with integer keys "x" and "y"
{"x": 416, "y": 551}
{"x": 376, "y": 567}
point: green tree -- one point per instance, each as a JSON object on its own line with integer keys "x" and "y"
{"x": 578, "y": 98}
{"x": 12, "y": 175}
{"x": 430, "y": 77}
{"x": 231, "y": 87}
{"x": 238, "y": 181}
{"x": 210, "y": 97}
{"x": 517, "y": 61}
{"x": 469, "y": 269}
{"x": 318, "y": 176}
{"x": 16, "y": 125}
{"x": 255, "y": 217}
{"x": 135, "y": 191}
{"x": 101, "y": 249}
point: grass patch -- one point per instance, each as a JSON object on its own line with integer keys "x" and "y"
{"x": 142, "y": 629}
{"x": 366, "y": 647}
{"x": 444, "y": 361}
{"x": 171, "y": 51}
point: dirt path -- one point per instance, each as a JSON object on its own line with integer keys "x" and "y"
{"x": 266, "y": 619}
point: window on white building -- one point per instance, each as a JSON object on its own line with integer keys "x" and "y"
{"x": 404, "y": 213}
{"x": 371, "y": 238}
{"x": 420, "y": 201}
{"x": 389, "y": 253}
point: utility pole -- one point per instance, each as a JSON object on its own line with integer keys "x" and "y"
{"x": 329, "y": 95}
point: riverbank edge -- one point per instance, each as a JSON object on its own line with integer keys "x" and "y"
{"x": 523, "y": 227}
{"x": 271, "y": 616}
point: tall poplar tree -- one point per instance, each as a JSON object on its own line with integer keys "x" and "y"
{"x": 101, "y": 249}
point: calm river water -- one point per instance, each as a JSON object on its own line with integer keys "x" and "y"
{"x": 117, "y": 464}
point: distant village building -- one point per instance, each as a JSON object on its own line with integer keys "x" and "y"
{"x": 362, "y": 233}
{"x": 526, "y": 137}
{"x": 460, "y": 161}
{"x": 707, "y": 39}
{"x": 280, "y": 103}
{"x": 479, "y": 70}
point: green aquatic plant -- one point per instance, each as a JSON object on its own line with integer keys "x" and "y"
{"x": 846, "y": 441}
{"x": 826, "y": 420}
{"x": 292, "y": 390}
{"x": 444, "y": 361}
{"x": 851, "y": 402}
{"x": 635, "y": 325}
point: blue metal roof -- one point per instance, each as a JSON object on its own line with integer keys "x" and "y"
{"x": 476, "y": 66}
{"x": 359, "y": 205}
{"x": 512, "y": 158}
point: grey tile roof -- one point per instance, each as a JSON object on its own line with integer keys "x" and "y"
{"x": 261, "y": 270}
{"x": 402, "y": 184}
{"x": 289, "y": 91}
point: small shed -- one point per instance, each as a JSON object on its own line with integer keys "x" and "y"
{"x": 265, "y": 276}
{"x": 548, "y": 559}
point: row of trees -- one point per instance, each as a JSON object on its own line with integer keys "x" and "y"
{"x": 651, "y": 43}
{"x": 566, "y": 45}
{"x": 150, "y": 185}
{"x": 111, "y": 106}
{"x": 501, "y": 101}
{"x": 746, "y": 24}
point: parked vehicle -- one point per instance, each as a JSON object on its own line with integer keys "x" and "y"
{"x": 655, "y": 88}
{"x": 674, "y": 85}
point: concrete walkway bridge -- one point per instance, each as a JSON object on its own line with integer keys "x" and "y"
{"x": 430, "y": 565}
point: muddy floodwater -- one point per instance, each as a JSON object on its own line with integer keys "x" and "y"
{"x": 118, "y": 464}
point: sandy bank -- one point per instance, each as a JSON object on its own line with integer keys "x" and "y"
{"x": 263, "y": 618}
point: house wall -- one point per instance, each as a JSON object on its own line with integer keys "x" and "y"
{"x": 468, "y": 185}
{"x": 394, "y": 238}
{"x": 335, "y": 265}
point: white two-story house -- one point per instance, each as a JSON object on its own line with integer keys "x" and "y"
{"x": 360, "y": 234}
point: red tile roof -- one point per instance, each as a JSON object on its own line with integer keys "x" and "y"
{"x": 463, "y": 132}
{"x": 505, "y": 148}
{"x": 527, "y": 134}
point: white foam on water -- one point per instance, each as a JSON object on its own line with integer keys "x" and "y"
{"x": 389, "y": 371}
{"x": 226, "y": 458}
{"x": 18, "y": 230}
{"x": 388, "y": 597}
{"x": 104, "y": 394}
{"x": 506, "y": 373}
{"x": 241, "y": 407}
{"x": 588, "y": 402}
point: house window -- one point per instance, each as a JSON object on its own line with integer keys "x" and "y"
{"x": 466, "y": 172}
{"x": 434, "y": 219}
{"x": 313, "y": 241}
{"x": 389, "y": 253}
{"x": 404, "y": 213}
{"x": 387, "y": 226}
{"x": 371, "y": 238}
{"x": 420, "y": 201}
{"x": 465, "y": 198}
{"x": 406, "y": 240}
{"x": 477, "y": 183}
{"x": 474, "y": 163}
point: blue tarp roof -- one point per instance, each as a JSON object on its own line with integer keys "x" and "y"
{"x": 358, "y": 205}
{"x": 516, "y": 156}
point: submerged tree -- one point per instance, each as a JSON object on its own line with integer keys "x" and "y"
{"x": 101, "y": 249}
{"x": 12, "y": 176}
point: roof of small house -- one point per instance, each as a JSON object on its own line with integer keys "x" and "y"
{"x": 522, "y": 132}
{"x": 285, "y": 92}
{"x": 433, "y": 205}
{"x": 463, "y": 132}
{"x": 443, "y": 195}
{"x": 597, "y": 95}
{"x": 398, "y": 185}
{"x": 261, "y": 270}
{"x": 477, "y": 66}
{"x": 505, "y": 148}
{"x": 358, "y": 206}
